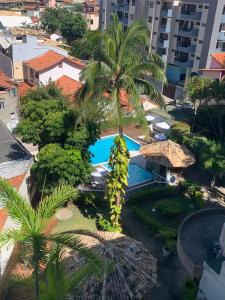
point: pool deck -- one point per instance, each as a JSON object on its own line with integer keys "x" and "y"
{"x": 131, "y": 130}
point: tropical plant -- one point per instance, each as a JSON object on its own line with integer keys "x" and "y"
{"x": 31, "y": 231}
{"x": 119, "y": 71}
{"x": 117, "y": 180}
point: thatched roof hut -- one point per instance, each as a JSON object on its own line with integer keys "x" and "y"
{"x": 132, "y": 276}
{"x": 168, "y": 154}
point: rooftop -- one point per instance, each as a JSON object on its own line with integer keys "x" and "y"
{"x": 15, "y": 21}
{"x": 5, "y": 81}
{"x": 68, "y": 86}
{"x": 219, "y": 57}
{"x": 50, "y": 59}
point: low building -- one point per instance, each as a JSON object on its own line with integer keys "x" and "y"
{"x": 9, "y": 110}
{"x": 13, "y": 51}
{"x": 7, "y": 22}
{"x": 90, "y": 12}
{"x": 54, "y": 67}
{"x": 15, "y": 164}
{"x": 217, "y": 66}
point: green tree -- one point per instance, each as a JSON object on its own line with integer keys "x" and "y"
{"x": 117, "y": 180}
{"x": 31, "y": 234}
{"x": 73, "y": 27}
{"x": 52, "y": 19}
{"x": 56, "y": 165}
{"x": 213, "y": 160}
{"x": 121, "y": 66}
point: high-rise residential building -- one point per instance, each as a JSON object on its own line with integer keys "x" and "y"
{"x": 183, "y": 32}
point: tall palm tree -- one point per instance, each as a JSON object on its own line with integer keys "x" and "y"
{"x": 31, "y": 232}
{"x": 121, "y": 69}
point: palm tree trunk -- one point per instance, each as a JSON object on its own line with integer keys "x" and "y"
{"x": 36, "y": 267}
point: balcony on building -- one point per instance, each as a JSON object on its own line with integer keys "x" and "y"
{"x": 189, "y": 32}
{"x": 123, "y": 20}
{"x": 221, "y": 36}
{"x": 188, "y": 11}
{"x": 183, "y": 61}
{"x": 163, "y": 43}
{"x": 186, "y": 47}
{"x": 167, "y": 13}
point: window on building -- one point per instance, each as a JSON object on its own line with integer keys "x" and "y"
{"x": 60, "y": 65}
{"x": 133, "y": 3}
{"x": 131, "y": 16}
{"x": 224, "y": 10}
{"x": 149, "y": 19}
{"x": 12, "y": 92}
{"x": 31, "y": 73}
{"x": 13, "y": 116}
{"x": 92, "y": 22}
{"x": 200, "y": 6}
{"x": 2, "y": 103}
{"x": 206, "y": 7}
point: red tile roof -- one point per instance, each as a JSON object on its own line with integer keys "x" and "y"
{"x": 24, "y": 87}
{"x": 68, "y": 86}
{"x": 17, "y": 181}
{"x": 51, "y": 59}
{"x": 45, "y": 61}
{"x": 219, "y": 57}
{"x": 3, "y": 217}
{"x": 5, "y": 81}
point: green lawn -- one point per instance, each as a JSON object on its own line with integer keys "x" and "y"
{"x": 77, "y": 221}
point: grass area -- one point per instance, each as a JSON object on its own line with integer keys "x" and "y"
{"x": 77, "y": 221}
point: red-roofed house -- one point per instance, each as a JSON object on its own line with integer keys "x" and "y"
{"x": 217, "y": 67}
{"x": 50, "y": 66}
{"x": 68, "y": 86}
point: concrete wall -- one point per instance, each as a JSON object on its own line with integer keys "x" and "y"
{"x": 11, "y": 106}
{"x": 6, "y": 65}
{"x": 212, "y": 285}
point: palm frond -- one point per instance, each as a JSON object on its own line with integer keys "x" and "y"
{"x": 18, "y": 207}
{"x": 61, "y": 194}
{"x": 11, "y": 235}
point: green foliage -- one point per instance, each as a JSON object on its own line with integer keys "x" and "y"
{"x": 117, "y": 179}
{"x": 193, "y": 191}
{"x": 167, "y": 234}
{"x": 190, "y": 290}
{"x": 169, "y": 207}
{"x": 71, "y": 25}
{"x": 178, "y": 131}
{"x": 156, "y": 193}
{"x": 56, "y": 165}
{"x": 48, "y": 122}
{"x": 106, "y": 225}
{"x": 87, "y": 198}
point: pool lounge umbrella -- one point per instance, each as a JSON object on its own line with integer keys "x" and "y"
{"x": 168, "y": 154}
{"x": 163, "y": 125}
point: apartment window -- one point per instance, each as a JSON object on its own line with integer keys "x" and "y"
{"x": 158, "y": 2}
{"x": 12, "y": 93}
{"x": 224, "y": 10}
{"x": 149, "y": 19}
{"x": 92, "y": 22}
{"x": 195, "y": 39}
{"x": 151, "y": 4}
{"x": 200, "y": 42}
{"x": 2, "y": 104}
{"x": 197, "y": 57}
{"x": 206, "y": 7}
{"x": 156, "y": 18}
{"x": 203, "y": 25}
{"x": 31, "y": 73}
{"x": 133, "y": 3}
{"x": 192, "y": 55}
{"x": 200, "y": 6}
{"x": 197, "y": 23}
{"x": 155, "y": 33}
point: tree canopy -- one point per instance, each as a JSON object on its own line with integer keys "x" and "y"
{"x": 71, "y": 24}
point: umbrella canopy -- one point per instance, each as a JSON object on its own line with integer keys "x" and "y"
{"x": 168, "y": 154}
{"x": 149, "y": 118}
{"x": 163, "y": 125}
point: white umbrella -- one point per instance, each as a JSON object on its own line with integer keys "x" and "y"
{"x": 160, "y": 137}
{"x": 149, "y": 118}
{"x": 163, "y": 125}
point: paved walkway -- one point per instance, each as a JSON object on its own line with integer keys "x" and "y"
{"x": 171, "y": 274}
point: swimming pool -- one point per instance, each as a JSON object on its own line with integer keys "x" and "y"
{"x": 101, "y": 149}
{"x": 136, "y": 175}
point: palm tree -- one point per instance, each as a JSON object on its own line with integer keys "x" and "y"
{"x": 31, "y": 232}
{"x": 121, "y": 69}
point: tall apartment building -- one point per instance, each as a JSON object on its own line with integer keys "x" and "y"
{"x": 183, "y": 32}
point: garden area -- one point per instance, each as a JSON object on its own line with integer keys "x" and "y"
{"x": 162, "y": 209}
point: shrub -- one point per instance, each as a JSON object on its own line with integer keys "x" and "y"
{"x": 169, "y": 235}
{"x": 87, "y": 198}
{"x": 105, "y": 225}
{"x": 169, "y": 207}
{"x": 193, "y": 191}
{"x": 190, "y": 290}
{"x": 178, "y": 131}
{"x": 150, "y": 222}
{"x": 156, "y": 193}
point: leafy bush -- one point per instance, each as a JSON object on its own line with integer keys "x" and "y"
{"x": 156, "y": 193}
{"x": 105, "y": 225}
{"x": 169, "y": 207}
{"x": 87, "y": 198}
{"x": 193, "y": 191}
{"x": 178, "y": 131}
{"x": 190, "y": 290}
{"x": 169, "y": 235}
{"x": 150, "y": 222}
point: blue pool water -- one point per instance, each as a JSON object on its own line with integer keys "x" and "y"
{"x": 137, "y": 174}
{"x": 101, "y": 149}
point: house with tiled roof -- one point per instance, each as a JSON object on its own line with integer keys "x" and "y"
{"x": 54, "y": 67}
{"x": 15, "y": 164}
{"x": 9, "y": 110}
{"x": 217, "y": 67}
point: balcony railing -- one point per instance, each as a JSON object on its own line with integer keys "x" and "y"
{"x": 123, "y": 20}
{"x": 186, "y": 47}
{"x": 191, "y": 15}
{"x": 167, "y": 13}
{"x": 189, "y": 33}
{"x": 121, "y": 7}
{"x": 183, "y": 62}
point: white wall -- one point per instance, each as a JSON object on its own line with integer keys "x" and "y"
{"x": 212, "y": 285}
{"x": 57, "y": 72}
